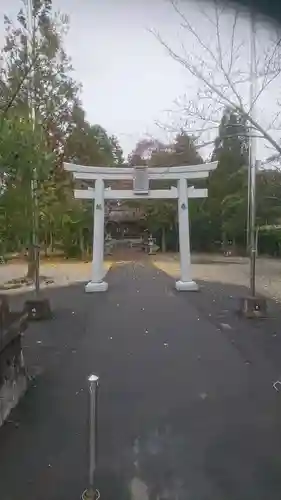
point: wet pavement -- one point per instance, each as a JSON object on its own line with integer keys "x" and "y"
{"x": 186, "y": 405}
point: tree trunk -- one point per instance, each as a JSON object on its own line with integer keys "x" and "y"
{"x": 51, "y": 241}
{"x": 81, "y": 243}
{"x": 46, "y": 246}
{"x": 31, "y": 263}
{"x": 234, "y": 246}
{"x": 224, "y": 243}
{"x": 163, "y": 240}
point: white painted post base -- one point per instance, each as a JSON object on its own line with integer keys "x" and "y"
{"x": 94, "y": 286}
{"x": 186, "y": 286}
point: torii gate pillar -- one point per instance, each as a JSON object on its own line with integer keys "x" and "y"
{"x": 98, "y": 272}
{"x": 185, "y": 283}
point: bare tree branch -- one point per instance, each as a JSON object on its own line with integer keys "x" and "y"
{"x": 269, "y": 76}
{"x": 233, "y": 31}
{"x": 225, "y": 73}
{"x": 223, "y": 93}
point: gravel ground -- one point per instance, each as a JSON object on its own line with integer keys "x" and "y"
{"x": 209, "y": 268}
{"x": 228, "y": 270}
{"x": 62, "y": 273}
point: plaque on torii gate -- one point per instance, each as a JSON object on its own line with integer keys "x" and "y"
{"x": 141, "y": 180}
{"x": 141, "y": 176}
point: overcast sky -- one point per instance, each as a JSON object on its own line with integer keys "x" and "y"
{"x": 128, "y": 79}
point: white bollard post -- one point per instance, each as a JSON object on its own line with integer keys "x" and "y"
{"x": 92, "y": 493}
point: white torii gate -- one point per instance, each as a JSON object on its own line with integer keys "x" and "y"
{"x": 141, "y": 177}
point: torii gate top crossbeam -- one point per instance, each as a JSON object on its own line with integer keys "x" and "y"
{"x": 129, "y": 194}
{"x": 123, "y": 173}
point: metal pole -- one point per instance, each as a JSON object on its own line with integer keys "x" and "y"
{"x": 257, "y": 240}
{"x": 249, "y": 201}
{"x": 253, "y": 233}
{"x": 32, "y": 116}
{"x": 252, "y": 162}
{"x": 92, "y": 493}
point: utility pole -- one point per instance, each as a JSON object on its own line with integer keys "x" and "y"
{"x": 32, "y": 117}
{"x": 252, "y": 306}
{"x": 252, "y": 159}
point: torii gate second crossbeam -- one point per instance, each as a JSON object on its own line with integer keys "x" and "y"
{"x": 141, "y": 177}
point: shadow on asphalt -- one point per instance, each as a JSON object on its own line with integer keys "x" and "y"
{"x": 186, "y": 398}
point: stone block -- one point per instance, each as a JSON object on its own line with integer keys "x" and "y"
{"x": 4, "y": 310}
{"x": 38, "y": 309}
{"x": 13, "y": 377}
{"x": 253, "y": 307}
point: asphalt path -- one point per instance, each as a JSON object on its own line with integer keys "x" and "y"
{"x": 187, "y": 409}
